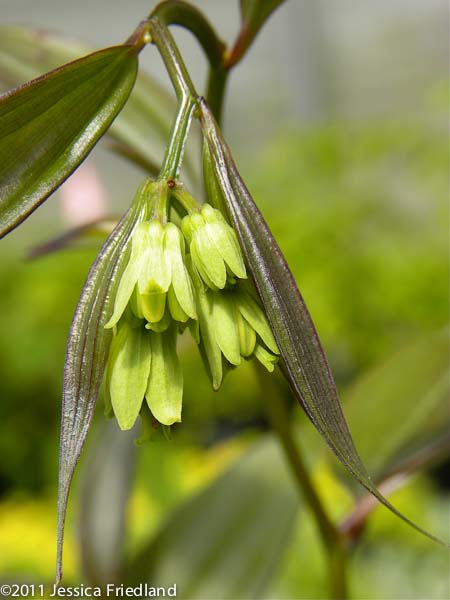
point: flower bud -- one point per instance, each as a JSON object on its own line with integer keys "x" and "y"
{"x": 247, "y": 336}
{"x": 267, "y": 359}
{"x": 214, "y": 247}
{"x": 225, "y": 240}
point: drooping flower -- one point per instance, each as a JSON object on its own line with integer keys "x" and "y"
{"x": 231, "y": 325}
{"x": 156, "y": 274}
{"x": 214, "y": 247}
{"x": 175, "y": 277}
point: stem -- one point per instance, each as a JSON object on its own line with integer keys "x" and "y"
{"x": 186, "y": 94}
{"x": 173, "y": 156}
{"x": 185, "y": 199}
{"x": 217, "y": 81}
{"x": 331, "y": 537}
{"x": 171, "y": 56}
{"x": 177, "y": 12}
{"x": 159, "y": 202}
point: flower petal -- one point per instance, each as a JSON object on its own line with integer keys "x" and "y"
{"x": 253, "y": 314}
{"x": 181, "y": 282}
{"x": 129, "y": 373}
{"x": 155, "y": 274}
{"x": 130, "y": 275}
{"x": 225, "y": 326}
{"x": 204, "y": 335}
{"x": 165, "y": 385}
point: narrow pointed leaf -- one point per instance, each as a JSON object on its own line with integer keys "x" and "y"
{"x": 306, "y": 366}
{"x": 399, "y": 475}
{"x": 254, "y": 13}
{"x": 257, "y": 9}
{"x": 50, "y": 124}
{"x": 86, "y": 355}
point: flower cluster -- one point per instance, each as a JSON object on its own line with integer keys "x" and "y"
{"x": 189, "y": 275}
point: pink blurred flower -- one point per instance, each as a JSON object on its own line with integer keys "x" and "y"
{"x": 83, "y": 196}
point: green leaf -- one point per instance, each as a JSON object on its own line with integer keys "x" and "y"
{"x": 50, "y": 124}
{"x": 254, "y": 13}
{"x": 306, "y": 366}
{"x": 86, "y": 355}
{"x": 405, "y": 400}
{"x": 141, "y": 130}
{"x": 228, "y": 541}
{"x": 106, "y": 485}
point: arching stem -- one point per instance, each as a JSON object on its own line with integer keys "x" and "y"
{"x": 186, "y": 94}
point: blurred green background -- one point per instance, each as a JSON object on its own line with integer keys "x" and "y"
{"x": 353, "y": 181}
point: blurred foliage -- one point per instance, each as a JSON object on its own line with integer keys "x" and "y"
{"x": 360, "y": 212}
{"x": 366, "y": 234}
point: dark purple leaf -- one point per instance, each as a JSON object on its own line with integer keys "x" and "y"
{"x": 305, "y": 363}
{"x": 86, "y": 354}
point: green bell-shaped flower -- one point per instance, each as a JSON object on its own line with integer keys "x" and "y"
{"x": 143, "y": 363}
{"x": 214, "y": 247}
{"x": 231, "y": 325}
{"x": 155, "y": 275}
{"x": 127, "y": 372}
{"x": 166, "y": 287}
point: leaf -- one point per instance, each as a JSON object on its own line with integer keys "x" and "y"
{"x": 305, "y": 363}
{"x": 142, "y": 128}
{"x": 431, "y": 455}
{"x": 106, "y": 486}
{"x": 49, "y": 125}
{"x": 254, "y": 13}
{"x": 228, "y": 541}
{"x": 94, "y": 232}
{"x": 405, "y": 400}
{"x": 86, "y": 355}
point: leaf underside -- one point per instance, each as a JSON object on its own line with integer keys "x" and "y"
{"x": 140, "y": 131}
{"x": 86, "y": 355}
{"x": 305, "y": 365}
{"x": 50, "y": 124}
